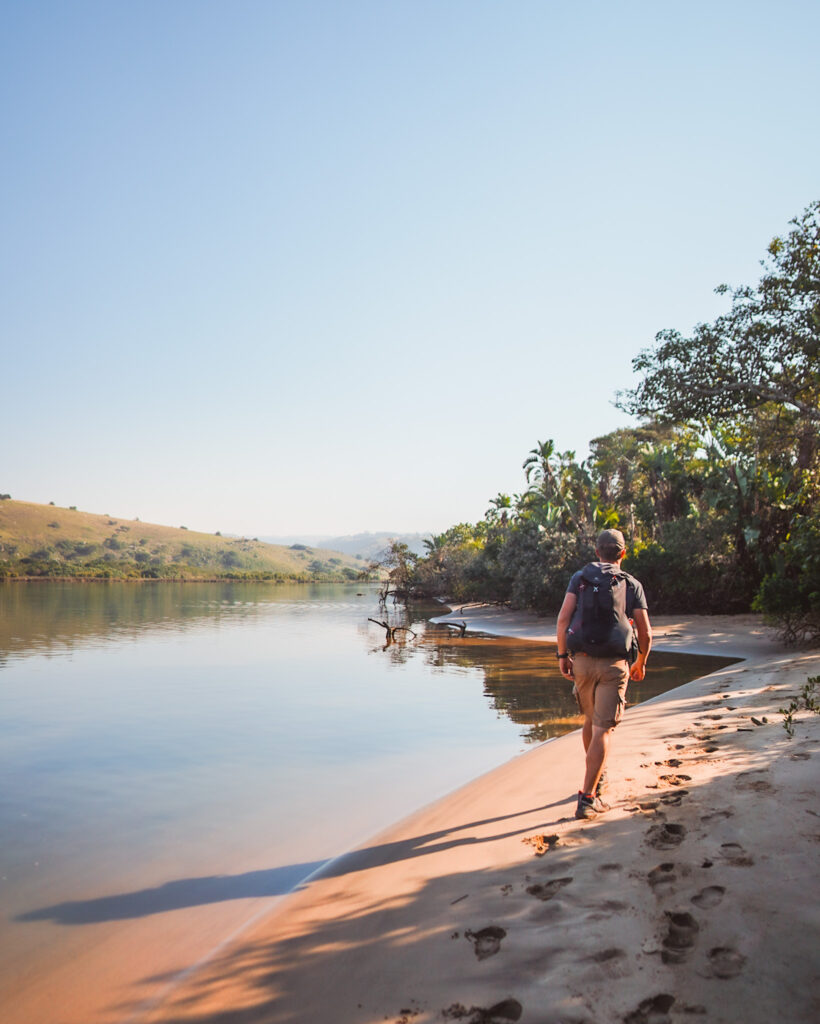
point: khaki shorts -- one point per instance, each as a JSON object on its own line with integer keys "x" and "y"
{"x": 600, "y": 688}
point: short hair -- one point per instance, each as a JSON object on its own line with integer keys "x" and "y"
{"x": 610, "y": 544}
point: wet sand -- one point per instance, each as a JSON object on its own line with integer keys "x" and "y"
{"x": 693, "y": 898}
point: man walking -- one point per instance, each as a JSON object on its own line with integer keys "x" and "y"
{"x": 595, "y": 644}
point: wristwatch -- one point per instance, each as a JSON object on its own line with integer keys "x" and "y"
{"x": 561, "y": 656}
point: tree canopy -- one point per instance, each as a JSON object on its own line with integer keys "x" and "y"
{"x": 766, "y": 349}
{"x": 717, "y": 491}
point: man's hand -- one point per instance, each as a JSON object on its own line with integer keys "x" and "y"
{"x": 644, "y": 630}
{"x": 561, "y": 626}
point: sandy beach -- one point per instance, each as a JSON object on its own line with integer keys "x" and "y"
{"x": 693, "y": 898}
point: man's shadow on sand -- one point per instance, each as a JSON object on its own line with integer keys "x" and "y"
{"x": 194, "y": 892}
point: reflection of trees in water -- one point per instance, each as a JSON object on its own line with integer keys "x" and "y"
{"x": 666, "y": 670}
{"x": 52, "y": 616}
{"x": 522, "y": 678}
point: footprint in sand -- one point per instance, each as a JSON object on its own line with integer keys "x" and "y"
{"x": 799, "y": 757}
{"x": 486, "y": 942}
{"x": 665, "y": 836}
{"x": 680, "y": 937}
{"x": 651, "y": 1011}
{"x": 674, "y": 799}
{"x": 663, "y": 874}
{"x": 675, "y": 780}
{"x": 606, "y": 955}
{"x": 549, "y": 889}
{"x": 507, "y": 1009}
{"x": 726, "y": 962}
{"x": 716, "y": 816}
{"x": 709, "y": 897}
{"x": 753, "y": 781}
{"x": 541, "y": 843}
{"x": 736, "y": 855}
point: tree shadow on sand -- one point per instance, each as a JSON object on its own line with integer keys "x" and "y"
{"x": 283, "y": 974}
{"x": 194, "y": 892}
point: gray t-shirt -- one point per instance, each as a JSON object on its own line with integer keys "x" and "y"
{"x": 635, "y": 597}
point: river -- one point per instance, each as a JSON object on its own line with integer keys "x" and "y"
{"x": 176, "y": 757}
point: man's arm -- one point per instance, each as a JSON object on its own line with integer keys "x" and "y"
{"x": 644, "y": 631}
{"x": 564, "y": 619}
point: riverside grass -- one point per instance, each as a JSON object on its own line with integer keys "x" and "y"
{"x": 48, "y": 541}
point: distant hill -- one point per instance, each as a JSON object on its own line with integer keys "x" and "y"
{"x": 47, "y": 540}
{"x": 367, "y": 545}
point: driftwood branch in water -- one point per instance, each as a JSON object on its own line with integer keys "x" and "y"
{"x": 392, "y": 630}
{"x": 460, "y": 626}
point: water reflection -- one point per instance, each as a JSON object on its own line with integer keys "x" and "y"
{"x": 522, "y": 677}
{"x": 53, "y": 617}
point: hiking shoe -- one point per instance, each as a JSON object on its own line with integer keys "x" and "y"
{"x": 588, "y": 807}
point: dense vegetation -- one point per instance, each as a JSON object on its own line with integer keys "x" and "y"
{"x": 717, "y": 492}
{"x": 47, "y": 541}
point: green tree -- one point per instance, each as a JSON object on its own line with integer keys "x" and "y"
{"x": 765, "y": 350}
{"x": 749, "y": 383}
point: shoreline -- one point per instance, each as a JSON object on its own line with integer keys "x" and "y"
{"x": 682, "y": 899}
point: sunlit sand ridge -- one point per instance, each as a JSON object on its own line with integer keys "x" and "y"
{"x": 691, "y": 899}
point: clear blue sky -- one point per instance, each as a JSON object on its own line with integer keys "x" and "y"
{"x": 284, "y": 267}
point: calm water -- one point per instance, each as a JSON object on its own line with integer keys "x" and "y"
{"x": 167, "y": 746}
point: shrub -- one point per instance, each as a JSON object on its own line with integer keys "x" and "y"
{"x": 789, "y": 597}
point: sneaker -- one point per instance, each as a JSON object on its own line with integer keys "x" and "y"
{"x": 588, "y": 807}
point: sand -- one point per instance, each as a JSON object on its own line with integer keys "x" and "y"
{"x": 693, "y": 898}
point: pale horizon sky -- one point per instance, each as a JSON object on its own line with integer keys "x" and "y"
{"x": 330, "y": 267}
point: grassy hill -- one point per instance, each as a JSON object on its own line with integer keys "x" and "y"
{"x": 47, "y": 540}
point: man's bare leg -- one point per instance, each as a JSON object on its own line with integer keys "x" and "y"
{"x": 586, "y": 733}
{"x": 597, "y": 747}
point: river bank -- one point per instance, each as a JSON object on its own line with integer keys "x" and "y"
{"x": 686, "y": 901}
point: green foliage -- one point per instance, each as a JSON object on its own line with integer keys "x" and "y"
{"x": 717, "y": 493}
{"x": 93, "y": 546}
{"x": 790, "y": 594}
{"x": 765, "y": 350}
{"x": 805, "y": 701}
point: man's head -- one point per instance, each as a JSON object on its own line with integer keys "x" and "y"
{"x": 610, "y": 545}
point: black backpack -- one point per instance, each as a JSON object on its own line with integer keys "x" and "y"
{"x": 600, "y": 625}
